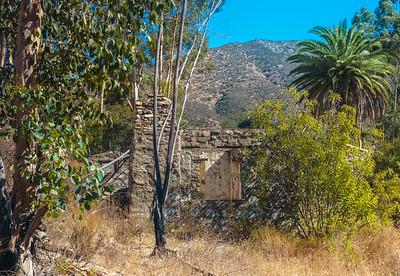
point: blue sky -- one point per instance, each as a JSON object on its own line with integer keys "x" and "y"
{"x": 245, "y": 20}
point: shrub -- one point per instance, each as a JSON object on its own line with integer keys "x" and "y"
{"x": 312, "y": 180}
{"x": 386, "y": 186}
{"x": 387, "y": 156}
{"x": 386, "y": 182}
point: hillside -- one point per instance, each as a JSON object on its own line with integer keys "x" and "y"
{"x": 234, "y": 78}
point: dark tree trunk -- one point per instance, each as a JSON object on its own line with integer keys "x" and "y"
{"x": 161, "y": 187}
{"x": 159, "y": 228}
{"x": 158, "y": 212}
{"x": 173, "y": 128}
{"x": 8, "y": 255}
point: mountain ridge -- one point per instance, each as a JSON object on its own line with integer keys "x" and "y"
{"x": 235, "y": 77}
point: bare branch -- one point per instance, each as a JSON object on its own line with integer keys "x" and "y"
{"x": 173, "y": 128}
{"x": 205, "y": 23}
{"x": 188, "y": 81}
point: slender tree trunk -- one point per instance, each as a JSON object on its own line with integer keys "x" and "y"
{"x": 162, "y": 189}
{"x": 162, "y": 185}
{"x": 3, "y": 46}
{"x": 9, "y": 56}
{"x": 135, "y": 93}
{"x": 158, "y": 211}
{"x": 171, "y": 61}
{"x": 173, "y": 127}
{"x": 3, "y": 43}
{"x": 160, "y": 81}
{"x": 396, "y": 92}
{"x": 103, "y": 88}
{"x": 360, "y": 125}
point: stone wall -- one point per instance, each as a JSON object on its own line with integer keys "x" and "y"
{"x": 207, "y": 163}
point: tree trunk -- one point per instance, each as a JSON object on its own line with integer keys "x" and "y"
{"x": 396, "y": 91}
{"x": 161, "y": 187}
{"x": 103, "y": 88}
{"x": 8, "y": 254}
{"x": 171, "y": 61}
{"x": 158, "y": 210}
{"x": 27, "y": 50}
{"x": 159, "y": 228}
{"x": 25, "y": 266}
{"x": 26, "y": 61}
{"x": 173, "y": 127}
{"x": 2, "y": 48}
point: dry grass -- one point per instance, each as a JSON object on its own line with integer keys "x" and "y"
{"x": 126, "y": 245}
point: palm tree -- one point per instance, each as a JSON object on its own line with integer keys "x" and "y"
{"x": 347, "y": 63}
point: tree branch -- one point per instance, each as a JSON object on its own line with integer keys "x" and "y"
{"x": 173, "y": 128}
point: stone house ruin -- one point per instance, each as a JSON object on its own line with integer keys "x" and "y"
{"x": 207, "y": 163}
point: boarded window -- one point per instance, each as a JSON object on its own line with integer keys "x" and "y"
{"x": 220, "y": 176}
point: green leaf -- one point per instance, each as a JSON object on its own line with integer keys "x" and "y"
{"x": 100, "y": 176}
{"x": 38, "y": 135}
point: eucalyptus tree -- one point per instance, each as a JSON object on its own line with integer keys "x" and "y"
{"x": 62, "y": 56}
{"x": 344, "y": 62}
{"x": 387, "y": 18}
{"x": 388, "y": 27}
{"x": 384, "y": 23}
{"x": 186, "y": 54}
{"x": 365, "y": 20}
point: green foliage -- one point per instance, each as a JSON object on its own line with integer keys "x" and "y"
{"x": 387, "y": 156}
{"x": 87, "y": 48}
{"x": 233, "y": 105}
{"x": 390, "y": 122}
{"x": 98, "y": 41}
{"x": 386, "y": 182}
{"x": 57, "y": 163}
{"x": 387, "y": 18}
{"x": 311, "y": 179}
{"x": 347, "y": 63}
{"x": 120, "y": 43}
{"x": 114, "y": 136}
{"x": 386, "y": 186}
{"x": 383, "y": 23}
{"x": 364, "y": 20}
